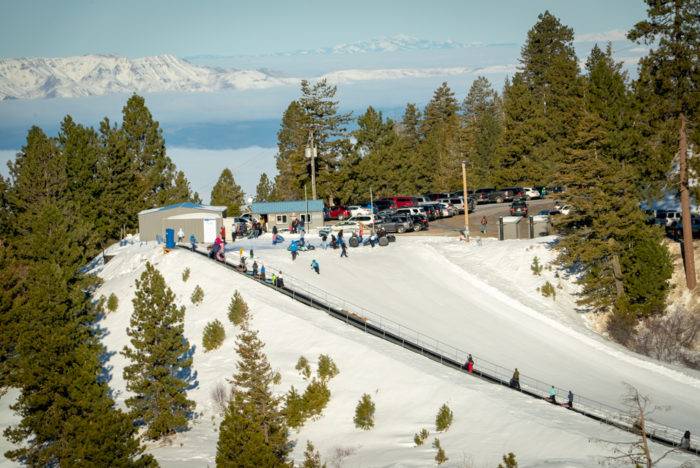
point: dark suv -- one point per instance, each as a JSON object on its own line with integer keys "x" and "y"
{"x": 396, "y": 223}
{"x": 420, "y": 222}
{"x": 518, "y": 208}
{"x": 511, "y": 193}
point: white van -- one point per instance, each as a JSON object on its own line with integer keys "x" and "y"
{"x": 456, "y": 202}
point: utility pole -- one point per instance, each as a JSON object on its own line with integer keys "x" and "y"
{"x": 466, "y": 200}
{"x": 311, "y": 153}
{"x": 371, "y": 208}
{"x": 688, "y": 254}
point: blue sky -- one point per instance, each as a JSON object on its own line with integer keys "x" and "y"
{"x": 148, "y": 27}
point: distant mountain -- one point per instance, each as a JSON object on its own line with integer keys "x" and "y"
{"x": 90, "y": 75}
{"x": 396, "y": 43}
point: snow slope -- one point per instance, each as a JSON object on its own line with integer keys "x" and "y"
{"x": 483, "y": 299}
{"x": 407, "y": 389}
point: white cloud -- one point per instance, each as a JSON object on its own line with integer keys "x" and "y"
{"x": 496, "y": 69}
{"x": 612, "y": 35}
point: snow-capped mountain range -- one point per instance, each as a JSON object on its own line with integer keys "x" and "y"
{"x": 397, "y": 43}
{"x": 90, "y": 75}
{"x": 95, "y": 75}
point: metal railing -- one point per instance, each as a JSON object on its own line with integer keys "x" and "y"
{"x": 452, "y": 356}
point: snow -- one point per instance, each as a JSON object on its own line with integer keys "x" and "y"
{"x": 481, "y": 298}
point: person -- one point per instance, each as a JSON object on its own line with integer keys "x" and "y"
{"x": 214, "y": 250}
{"x": 294, "y": 248}
{"x": 255, "y": 269}
{"x": 470, "y": 364}
{"x": 315, "y": 267}
{"x": 274, "y": 279}
{"x": 685, "y": 441}
{"x": 324, "y": 243}
{"x": 251, "y": 253}
{"x": 234, "y": 232}
{"x": 484, "y": 222}
{"x": 344, "y": 250}
{"x": 373, "y": 240}
{"x": 280, "y": 281}
{"x": 340, "y": 237}
{"x": 552, "y": 394}
{"x": 242, "y": 266}
{"x": 180, "y": 235}
{"x": 262, "y": 271}
{"x": 222, "y": 233}
{"x": 240, "y": 251}
{"x": 515, "y": 380}
{"x": 274, "y": 234}
{"x": 570, "y": 398}
{"x": 301, "y": 238}
{"x": 193, "y": 242}
{"x": 302, "y": 223}
{"x": 295, "y": 223}
{"x": 220, "y": 255}
{"x": 334, "y": 242}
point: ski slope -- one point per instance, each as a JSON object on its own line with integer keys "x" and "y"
{"x": 407, "y": 389}
{"x": 483, "y": 299}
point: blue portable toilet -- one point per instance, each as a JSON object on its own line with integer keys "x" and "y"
{"x": 170, "y": 238}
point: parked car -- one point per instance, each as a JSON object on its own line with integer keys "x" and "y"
{"x": 358, "y": 210}
{"x": 566, "y": 209}
{"x": 430, "y": 211}
{"x": 354, "y": 224}
{"x": 338, "y": 212}
{"x": 399, "y": 201}
{"x": 420, "y": 199}
{"x": 518, "y": 208}
{"x": 383, "y": 205}
{"x": 395, "y": 223}
{"x": 532, "y": 193}
{"x": 675, "y": 229}
{"x": 511, "y": 193}
{"x": 483, "y": 195}
{"x": 447, "y": 210}
{"x": 411, "y": 210}
{"x": 457, "y": 203}
{"x": 667, "y": 217}
{"x": 420, "y": 222}
{"x": 436, "y": 196}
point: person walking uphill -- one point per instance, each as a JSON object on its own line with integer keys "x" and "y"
{"x": 222, "y": 233}
{"x": 470, "y": 364}
{"x": 484, "y": 222}
{"x": 315, "y": 266}
{"x": 515, "y": 380}
{"x": 553, "y": 394}
{"x": 180, "y": 235}
{"x": 685, "y": 441}
{"x": 343, "y": 249}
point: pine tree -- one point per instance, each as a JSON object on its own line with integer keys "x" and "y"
{"x": 180, "y": 191}
{"x": 264, "y": 189}
{"x": 443, "y": 420}
{"x": 312, "y": 459}
{"x": 112, "y": 303}
{"x": 253, "y": 432}
{"x": 291, "y": 163}
{"x": 482, "y": 130}
{"x": 226, "y": 192}
{"x": 672, "y": 72}
{"x": 364, "y": 413}
{"x": 145, "y": 147}
{"x": 214, "y": 335}
{"x": 156, "y": 329}
{"x": 509, "y": 461}
{"x": 68, "y": 416}
{"x": 238, "y": 310}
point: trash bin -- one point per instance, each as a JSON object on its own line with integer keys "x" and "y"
{"x": 170, "y": 238}
{"x": 539, "y": 226}
{"x": 508, "y": 227}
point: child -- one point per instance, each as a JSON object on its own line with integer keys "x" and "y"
{"x": 315, "y": 266}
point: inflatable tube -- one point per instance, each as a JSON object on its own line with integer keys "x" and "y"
{"x": 383, "y": 241}
{"x": 391, "y": 237}
{"x": 354, "y": 242}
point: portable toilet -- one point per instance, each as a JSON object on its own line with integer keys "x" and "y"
{"x": 509, "y": 227}
{"x": 170, "y": 238}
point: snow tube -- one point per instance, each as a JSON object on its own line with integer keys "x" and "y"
{"x": 353, "y": 242}
{"x": 391, "y": 237}
{"x": 383, "y": 241}
{"x": 310, "y": 247}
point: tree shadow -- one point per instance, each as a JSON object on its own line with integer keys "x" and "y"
{"x": 187, "y": 374}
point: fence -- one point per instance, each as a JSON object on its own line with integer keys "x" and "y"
{"x": 446, "y": 354}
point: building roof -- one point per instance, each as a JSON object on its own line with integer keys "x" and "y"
{"x": 198, "y": 215}
{"x": 194, "y": 206}
{"x": 290, "y": 206}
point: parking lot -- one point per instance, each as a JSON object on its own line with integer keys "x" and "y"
{"x": 493, "y": 211}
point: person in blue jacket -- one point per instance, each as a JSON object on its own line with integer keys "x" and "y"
{"x": 193, "y": 242}
{"x": 552, "y": 394}
{"x": 294, "y": 248}
{"x": 315, "y": 266}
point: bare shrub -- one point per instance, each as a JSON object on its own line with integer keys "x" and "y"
{"x": 220, "y": 396}
{"x": 672, "y": 337}
{"x": 340, "y": 454}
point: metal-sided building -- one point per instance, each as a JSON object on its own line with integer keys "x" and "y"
{"x": 281, "y": 214}
{"x": 204, "y": 221}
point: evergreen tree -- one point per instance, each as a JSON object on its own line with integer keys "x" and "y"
{"x": 145, "y": 147}
{"x": 264, "y": 189}
{"x": 312, "y": 459}
{"x": 159, "y": 356}
{"x": 68, "y": 416}
{"x": 482, "y": 131}
{"x": 540, "y": 103}
{"x": 364, "y": 413}
{"x": 228, "y": 193}
{"x": 180, "y": 191}
{"x": 671, "y": 72}
{"x": 253, "y": 432}
{"x": 291, "y": 163}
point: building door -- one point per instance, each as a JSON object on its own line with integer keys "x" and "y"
{"x": 209, "y": 230}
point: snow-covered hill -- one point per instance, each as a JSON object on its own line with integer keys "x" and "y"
{"x": 396, "y": 43}
{"x": 407, "y": 388}
{"x": 90, "y": 75}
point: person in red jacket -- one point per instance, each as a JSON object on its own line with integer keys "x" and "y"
{"x": 222, "y": 233}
